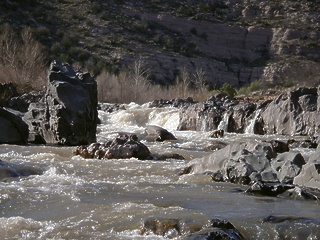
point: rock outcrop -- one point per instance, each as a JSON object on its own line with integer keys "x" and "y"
{"x": 68, "y": 114}
{"x": 260, "y": 165}
{"x": 200, "y": 117}
{"x": 293, "y": 113}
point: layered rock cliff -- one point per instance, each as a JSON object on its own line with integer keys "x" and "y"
{"x": 233, "y": 41}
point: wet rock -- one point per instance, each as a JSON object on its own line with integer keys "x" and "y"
{"x": 268, "y": 189}
{"x": 307, "y": 143}
{"x": 287, "y": 166}
{"x": 293, "y": 113}
{"x": 190, "y": 229}
{"x": 22, "y": 103}
{"x": 69, "y": 112}
{"x": 217, "y": 229}
{"x": 9, "y": 170}
{"x": 107, "y": 107}
{"x": 215, "y": 145}
{"x": 301, "y": 193}
{"x": 309, "y": 175}
{"x": 238, "y": 163}
{"x": 200, "y": 117}
{"x": 122, "y": 147}
{"x": 161, "y": 226}
{"x": 217, "y": 133}
{"x": 239, "y": 117}
{"x": 282, "y": 219}
{"x": 280, "y": 146}
{"x": 165, "y": 156}
{"x": 176, "y": 102}
{"x": 13, "y": 130}
{"x": 159, "y": 134}
{"x": 35, "y": 118}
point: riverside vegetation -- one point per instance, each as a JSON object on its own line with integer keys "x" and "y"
{"x": 181, "y": 44}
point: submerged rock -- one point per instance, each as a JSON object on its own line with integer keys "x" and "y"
{"x": 165, "y": 156}
{"x": 122, "y": 147}
{"x": 268, "y": 189}
{"x": 9, "y": 170}
{"x": 284, "y": 219}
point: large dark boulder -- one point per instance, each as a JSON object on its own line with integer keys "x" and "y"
{"x": 7, "y": 91}
{"x": 68, "y": 115}
{"x": 158, "y": 133}
{"x": 13, "y": 130}
{"x": 122, "y": 147}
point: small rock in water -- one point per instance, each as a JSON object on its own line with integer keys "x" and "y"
{"x": 165, "y": 156}
{"x": 217, "y": 133}
{"x": 159, "y": 134}
{"x": 191, "y": 229}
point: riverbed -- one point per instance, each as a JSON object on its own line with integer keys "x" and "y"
{"x": 77, "y": 198}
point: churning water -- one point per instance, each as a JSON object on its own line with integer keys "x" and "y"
{"x": 77, "y": 198}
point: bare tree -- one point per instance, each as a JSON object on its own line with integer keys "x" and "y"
{"x": 199, "y": 80}
{"x": 21, "y": 59}
{"x": 139, "y": 74}
{"x": 183, "y": 83}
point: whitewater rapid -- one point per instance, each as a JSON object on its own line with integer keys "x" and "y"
{"x": 77, "y": 198}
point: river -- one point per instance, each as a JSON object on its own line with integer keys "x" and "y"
{"x": 77, "y": 198}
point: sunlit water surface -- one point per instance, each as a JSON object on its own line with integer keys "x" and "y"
{"x": 77, "y": 198}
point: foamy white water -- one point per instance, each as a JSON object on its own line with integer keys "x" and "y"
{"x": 78, "y": 198}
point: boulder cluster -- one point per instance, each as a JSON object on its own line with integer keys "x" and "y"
{"x": 269, "y": 168}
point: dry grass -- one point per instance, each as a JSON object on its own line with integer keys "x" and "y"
{"x": 133, "y": 86}
{"x": 22, "y": 60}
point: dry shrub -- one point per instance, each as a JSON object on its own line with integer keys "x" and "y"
{"x": 22, "y": 60}
{"x": 133, "y": 86}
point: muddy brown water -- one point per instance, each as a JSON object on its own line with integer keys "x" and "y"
{"x": 78, "y": 198}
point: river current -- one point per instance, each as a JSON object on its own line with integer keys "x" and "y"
{"x": 77, "y": 198}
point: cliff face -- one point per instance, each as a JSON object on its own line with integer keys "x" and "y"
{"x": 232, "y": 41}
